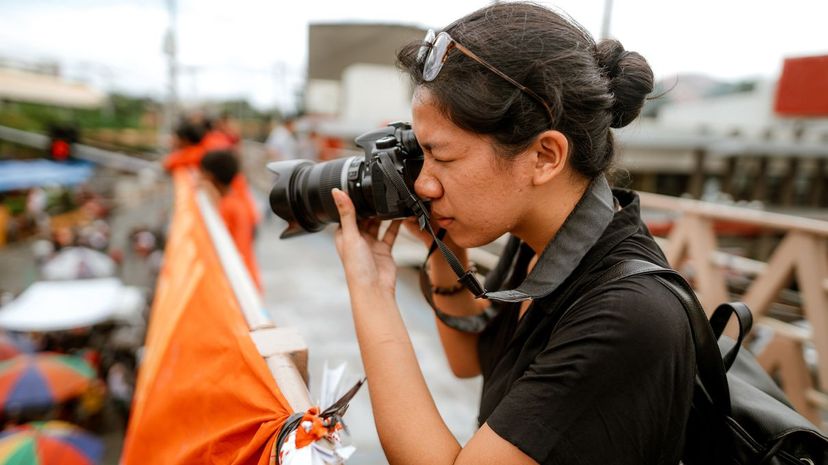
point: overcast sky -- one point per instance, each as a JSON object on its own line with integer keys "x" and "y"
{"x": 258, "y": 49}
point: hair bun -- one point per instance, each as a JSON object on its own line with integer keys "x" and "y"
{"x": 629, "y": 77}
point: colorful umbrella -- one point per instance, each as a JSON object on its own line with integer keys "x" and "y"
{"x": 12, "y": 345}
{"x": 41, "y": 380}
{"x": 49, "y": 443}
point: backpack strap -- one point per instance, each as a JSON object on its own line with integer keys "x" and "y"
{"x": 718, "y": 322}
{"x": 711, "y": 370}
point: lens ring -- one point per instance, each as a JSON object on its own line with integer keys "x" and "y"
{"x": 436, "y": 56}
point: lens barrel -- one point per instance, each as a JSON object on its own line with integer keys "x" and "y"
{"x": 302, "y": 196}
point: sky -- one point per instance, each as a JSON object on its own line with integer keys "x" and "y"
{"x": 257, "y": 49}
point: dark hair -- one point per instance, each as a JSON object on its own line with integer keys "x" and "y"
{"x": 589, "y": 87}
{"x": 222, "y": 164}
{"x": 189, "y": 131}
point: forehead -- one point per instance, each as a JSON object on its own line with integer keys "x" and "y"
{"x": 432, "y": 125}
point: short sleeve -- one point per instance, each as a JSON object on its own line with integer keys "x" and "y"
{"x": 612, "y": 385}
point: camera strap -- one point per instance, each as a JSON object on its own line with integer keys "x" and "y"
{"x": 465, "y": 277}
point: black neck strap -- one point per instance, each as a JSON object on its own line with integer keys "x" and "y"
{"x": 465, "y": 277}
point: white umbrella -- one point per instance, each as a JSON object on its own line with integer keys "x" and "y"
{"x": 78, "y": 263}
{"x": 64, "y": 305}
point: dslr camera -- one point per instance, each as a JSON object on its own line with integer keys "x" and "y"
{"x": 380, "y": 183}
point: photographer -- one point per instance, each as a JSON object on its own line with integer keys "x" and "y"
{"x": 513, "y": 108}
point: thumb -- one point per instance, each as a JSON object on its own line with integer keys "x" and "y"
{"x": 347, "y": 214}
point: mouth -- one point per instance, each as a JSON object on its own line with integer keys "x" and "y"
{"x": 442, "y": 221}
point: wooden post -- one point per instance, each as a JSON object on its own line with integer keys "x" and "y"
{"x": 776, "y": 276}
{"x": 787, "y": 194}
{"x": 697, "y": 177}
{"x": 818, "y": 183}
{"x": 811, "y": 274}
{"x": 288, "y": 341}
{"x": 728, "y": 175}
{"x": 784, "y": 357}
{"x": 760, "y": 189}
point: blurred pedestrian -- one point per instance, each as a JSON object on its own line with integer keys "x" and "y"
{"x": 282, "y": 143}
{"x": 219, "y": 168}
{"x": 187, "y": 148}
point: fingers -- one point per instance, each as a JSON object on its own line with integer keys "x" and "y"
{"x": 372, "y": 227}
{"x": 347, "y": 214}
{"x": 391, "y": 233}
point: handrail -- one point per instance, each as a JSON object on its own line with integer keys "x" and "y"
{"x": 801, "y": 253}
{"x": 116, "y": 160}
{"x": 731, "y": 213}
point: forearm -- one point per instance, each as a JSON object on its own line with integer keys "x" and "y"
{"x": 408, "y": 423}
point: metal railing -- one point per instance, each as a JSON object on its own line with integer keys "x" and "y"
{"x": 116, "y": 160}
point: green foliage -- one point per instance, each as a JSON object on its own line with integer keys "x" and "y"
{"x": 119, "y": 112}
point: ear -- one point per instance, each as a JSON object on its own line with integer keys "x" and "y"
{"x": 551, "y": 156}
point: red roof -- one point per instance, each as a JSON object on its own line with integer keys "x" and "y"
{"x": 803, "y": 87}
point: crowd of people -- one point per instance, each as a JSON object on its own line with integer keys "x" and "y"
{"x": 212, "y": 147}
{"x": 213, "y": 150}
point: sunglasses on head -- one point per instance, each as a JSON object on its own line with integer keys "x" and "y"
{"x": 434, "y": 53}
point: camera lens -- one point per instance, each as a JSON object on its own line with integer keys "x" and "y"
{"x": 302, "y": 192}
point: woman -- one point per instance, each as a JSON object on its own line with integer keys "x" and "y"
{"x": 512, "y": 107}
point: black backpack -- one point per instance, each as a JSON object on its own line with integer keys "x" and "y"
{"x": 738, "y": 414}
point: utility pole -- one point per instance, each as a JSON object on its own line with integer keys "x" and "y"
{"x": 605, "y": 25}
{"x": 171, "y": 103}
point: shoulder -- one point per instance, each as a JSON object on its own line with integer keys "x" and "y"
{"x": 638, "y": 309}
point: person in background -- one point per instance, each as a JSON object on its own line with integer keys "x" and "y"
{"x": 219, "y": 168}
{"x": 282, "y": 144}
{"x": 226, "y": 125}
{"x": 220, "y": 136}
{"x": 187, "y": 148}
{"x": 215, "y": 138}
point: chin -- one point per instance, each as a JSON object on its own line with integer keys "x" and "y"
{"x": 468, "y": 240}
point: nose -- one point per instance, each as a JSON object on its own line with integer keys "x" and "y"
{"x": 427, "y": 186}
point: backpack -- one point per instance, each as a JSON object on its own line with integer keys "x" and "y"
{"x": 738, "y": 414}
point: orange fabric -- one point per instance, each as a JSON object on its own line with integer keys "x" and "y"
{"x": 235, "y": 212}
{"x": 186, "y": 157}
{"x": 318, "y": 429}
{"x": 240, "y": 185}
{"x": 216, "y": 140}
{"x": 204, "y": 393}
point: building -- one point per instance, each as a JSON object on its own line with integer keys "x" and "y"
{"x": 352, "y": 78}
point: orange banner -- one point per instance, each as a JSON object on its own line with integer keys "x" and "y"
{"x": 204, "y": 393}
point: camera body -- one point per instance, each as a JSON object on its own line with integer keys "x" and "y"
{"x": 301, "y": 194}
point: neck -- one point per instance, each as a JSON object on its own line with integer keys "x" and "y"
{"x": 552, "y": 207}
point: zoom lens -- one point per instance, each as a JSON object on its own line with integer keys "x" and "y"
{"x": 302, "y": 192}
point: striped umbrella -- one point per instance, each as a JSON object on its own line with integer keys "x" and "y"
{"x": 49, "y": 443}
{"x": 42, "y": 380}
{"x": 12, "y": 345}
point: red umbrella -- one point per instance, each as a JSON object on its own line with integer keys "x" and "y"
{"x": 49, "y": 443}
{"x": 41, "y": 380}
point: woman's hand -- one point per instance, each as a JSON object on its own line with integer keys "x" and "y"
{"x": 367, "y": 260}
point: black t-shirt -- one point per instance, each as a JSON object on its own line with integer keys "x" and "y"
{"x": 606, "y": 381}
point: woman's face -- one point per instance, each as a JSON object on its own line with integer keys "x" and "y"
{"x": 474, "y": 196}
